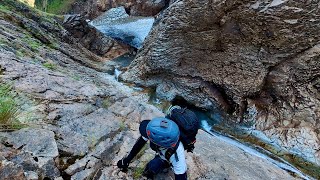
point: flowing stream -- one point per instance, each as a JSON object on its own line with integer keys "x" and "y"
{"x": 279, "y": 162}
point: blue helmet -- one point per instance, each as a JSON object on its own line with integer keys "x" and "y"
{"x": 163, "y": 132}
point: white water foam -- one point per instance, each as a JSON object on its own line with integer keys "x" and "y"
{"x": 117, "y": 73}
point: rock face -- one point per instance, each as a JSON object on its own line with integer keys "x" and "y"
{"x": 93, "y": 8}
{"x": 38, "y": 149}
{"x": 8, "y": 170}
{"x": 39, "y": 142}
{"x": 244, "y": 56}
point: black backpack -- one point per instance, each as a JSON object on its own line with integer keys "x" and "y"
{"x": 188, "y": 124}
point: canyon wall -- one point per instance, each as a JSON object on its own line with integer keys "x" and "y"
{"x": 256, "y": 60}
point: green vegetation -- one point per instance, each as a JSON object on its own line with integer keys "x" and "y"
{"x": 4, "y": 8}
{"x": 106, "y": 103}
{"x": 122, "y": 126}
{"x": 9, "y": 108}
{"x": 3, "y": 41}
{"x": 54, "y": 6}
{"x": 34, "y": 44}
{"x": 138, "y": 171}
{"x": 53, "y": 45}
{"x": 141, "y": 152}
{"x": 76, "y": 77}
{"x": 50, "y": 65}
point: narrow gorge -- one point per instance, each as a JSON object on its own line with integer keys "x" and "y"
{"x": 77, "y": 79}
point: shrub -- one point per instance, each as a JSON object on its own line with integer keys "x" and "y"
{"x": 9, "y": 107}
{"x": 50, "y": 65}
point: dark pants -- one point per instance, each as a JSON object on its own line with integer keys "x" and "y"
{"x": 155, "y": 166}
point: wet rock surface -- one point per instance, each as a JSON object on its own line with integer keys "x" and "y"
{"x": 81, "y": 121}
{"x": 258, "y": 60}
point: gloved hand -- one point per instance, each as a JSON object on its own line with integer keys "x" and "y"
{"x": 190, "y": 147}
{"x": 123, "y": 164}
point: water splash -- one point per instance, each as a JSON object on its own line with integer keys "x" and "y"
{"x": 117, "y": 73}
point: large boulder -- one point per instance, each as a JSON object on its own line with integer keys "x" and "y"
{"x": 39, "y": 142}
{"x": 242, "y": 56}
{"x": 37, "y": 150}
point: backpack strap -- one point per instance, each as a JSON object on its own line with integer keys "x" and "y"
{"x": 172, "y": 151}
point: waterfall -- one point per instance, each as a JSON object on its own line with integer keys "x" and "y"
{"x": 117, "y": 73}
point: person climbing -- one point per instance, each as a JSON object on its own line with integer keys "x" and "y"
{"x": 168, "y": 138}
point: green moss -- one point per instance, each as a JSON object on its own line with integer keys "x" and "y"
{"x": 5, "y": 9}
{"x": 19, "y": 54}
{"x": 53, "y": 45}
{"x": 50, "y": 65}
{"x": 32, "y": 43}
{"x": 35, "y": 60}
{"x": 3, "y": 42}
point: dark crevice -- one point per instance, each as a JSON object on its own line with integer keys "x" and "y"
{"x": 218, "y": 93}
{"x": 35, "y": 159}
{"x": 97, "y": 175}
{"x": 65, "y": 176}
{"x": 6, "y": 144}
{"x": 242, "y": 109}
{"x": 180, "y": 101}
{"x": 128, "y": 9}
{"x": 2, "y": 70}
